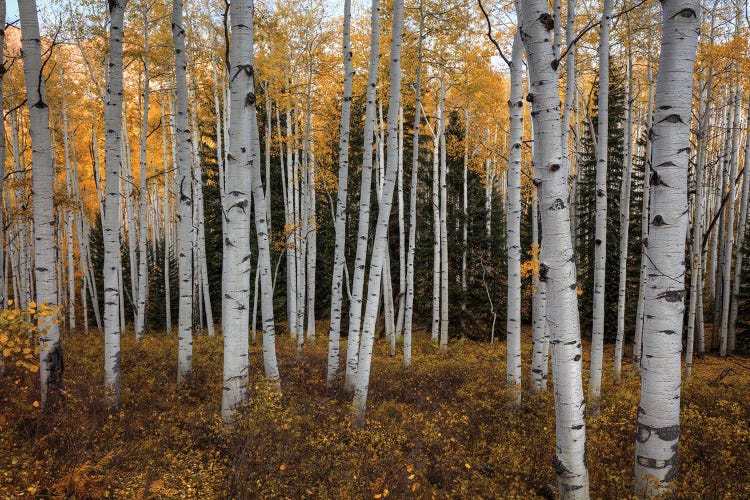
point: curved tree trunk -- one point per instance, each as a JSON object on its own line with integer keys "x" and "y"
{"x": 379, "y": 250}
{"x": 659, "y": 409}
{"x": 355, "y": 304}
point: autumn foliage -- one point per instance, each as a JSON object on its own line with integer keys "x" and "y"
{"x": 441, "y": 429}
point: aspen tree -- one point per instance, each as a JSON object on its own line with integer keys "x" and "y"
{"x": 113, "y": 150}
{"x": 237, "y": 258}
{"x": 645, "y": 205}
{"x": 409, "y": 306}
{"x": 696, "y": 251}
{"x": 730, "y": 211}
{"x": 184, "y": 195}
{"x": 658, "y": 429}
{"x": 384, "y": 211}
{"x": 739, "y": 253}
{"x": 624, "y": 214}
{"x": 600, "y": 237}
{"x": 70, "y": 220}
{"x": 355, "y": 304}
{"x": 513, "y": 227}
{"x": 142, "y": 298}
{"x": 443, "y": 222}
{"x": 556, "y": 262}
{"x": 43, "y": 178}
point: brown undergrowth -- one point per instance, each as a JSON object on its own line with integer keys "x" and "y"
{"x": 441, "y": 429}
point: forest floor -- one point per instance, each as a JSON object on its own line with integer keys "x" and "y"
{"x": 441, "y": 429}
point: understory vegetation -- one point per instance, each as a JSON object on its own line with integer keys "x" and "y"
{"x": 444, "y": 428}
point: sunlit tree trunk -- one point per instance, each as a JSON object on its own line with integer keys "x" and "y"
{"x": 513, "y": 227}
{"x": 355, "y": 305}
{"x": 658, "y": 430}
{"x": 624, "y": 216}
{"x": 69, "y": 215}
{"x": 379, "y": 250}
{"x": 140, "y": 318}
{"x": 557, "y": 266}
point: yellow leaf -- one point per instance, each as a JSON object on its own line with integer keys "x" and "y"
{"x": 32, "y": 305}
{"x": 378, "y": 496}
{"x": 468, "y": 466}
{"x": 409, "y": 468}
{"x": 35, "y": 404}
{"x": 282, "y": 467}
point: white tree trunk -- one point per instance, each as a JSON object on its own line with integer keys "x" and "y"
{"x": 247, "y": 60}
{"x": 443, "y": 224}
{"x": 113, "y": 286}
{"x": 45, "y": 265}
{"x": 557, "y": 267}
{"x": 355, "y": 304}
{"x": 339, "y": 259}
{"x": 465, "y": 207}
{"x": 645, "y": 206}
{"x": 729, "y": 233}
{"x": 600, "y": 237}
{"x": 513, "y": 225}
{"x": 237, "y": 259}
{"x": 70, "y": 221}
{"x": 184, "y": 202}
{"x": 659, "y": 409}
{"x": 696, "y": 255}
{"x": 435, "y": 332}
{"x": 140, "y": 318}
{"x": 167, "y": 222}
{"x": 401, "y": 228}
{"x": 624, "y": 217}
{"x": 409, "y": 306}
{"x": 384, "y": 212}
{"x": 738, "y": 257}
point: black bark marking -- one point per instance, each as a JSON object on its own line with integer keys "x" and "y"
{"x": 543, "y": 269}
{"x": 658, "y": 221}
{"x": 671, "y": 295}
{"x": 558, "y": 204}
{"x": 547, "y": 20}
{"x": 673, "y": 118}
